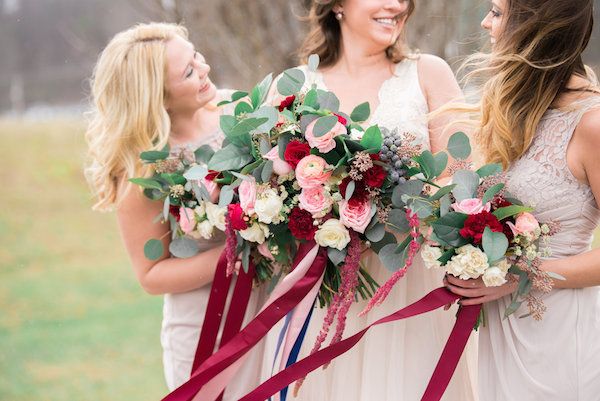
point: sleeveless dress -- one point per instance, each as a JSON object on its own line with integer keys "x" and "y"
{"x": 557, "y": 358}
{"x": 183, "y": 314}
{"x": 395, "y": 361}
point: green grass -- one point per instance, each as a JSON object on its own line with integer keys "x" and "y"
{"x": 74, "y": 324}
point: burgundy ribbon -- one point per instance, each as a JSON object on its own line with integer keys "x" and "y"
{"x": 254, "y": 331}
{"x": 467, "y": 316}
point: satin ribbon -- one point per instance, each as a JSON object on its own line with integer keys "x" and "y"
{"x": 218, "y": 369}
{"x": 466, "y": 319}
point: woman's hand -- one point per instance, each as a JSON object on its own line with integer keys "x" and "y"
{"x": 474, "y": 292}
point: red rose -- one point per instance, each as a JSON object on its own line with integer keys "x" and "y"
{"x": 301, "y": 224}
{"x": 360, "y": 190}
{"x": 212, "y": 174}
{"x": 375, "y": 176}
{"x": 236, "y": 217}
{"x": 341, "y": 119}
{"x": 174, "y": 211}
{"x": 295, "y": 151}
{"x": 476, "y": 224}
{"x": 287, "y": 102}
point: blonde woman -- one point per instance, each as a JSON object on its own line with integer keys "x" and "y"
{"x": 151, "y": 88}
{"x": 364, "y": 57}
{"x": 540, "y": 117}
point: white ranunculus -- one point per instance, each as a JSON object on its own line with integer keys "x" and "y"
{"x": 205, "y": 228}
{"x": 430, "y": 255}
{"x": 216, "y": 215}
{"x": 255, "y": 233}
{"x": 494, "y": 277}
{"x": 268, "y": 206}
{"x": 332, "y": 234}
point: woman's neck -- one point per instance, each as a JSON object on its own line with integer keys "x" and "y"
{"x": 356, "y": 60}
{"x": 186, "y": 127}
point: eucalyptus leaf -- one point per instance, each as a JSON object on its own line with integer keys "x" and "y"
{"x": 397, "y": 221}
{"x": 240, "y": 134}
{"x": 328, "y": 101}
{"x": 313, "y": 62}
{"x": 442, "y": 192}
{"x": 166, "y": 206}
{"x": 184, "y": 247}
{"x": 556, "y": 276}
{"x": 146, "y": 183}
{"x": 263, "y": 89}
{"x": 459, "y": 146}
{"x": 372, "y": 139}
{"x": 445, "y": 205}
{"x": 448, "y": 227}
{"x": 291, "y": 82}
{"x": 388, "y": 238}
{"x": 154, "y": 155}
{"x": 494, "y": 245}
{"x": 265, "y": 146}
{"x": 491, "y": 192}
{"x": 350, "y": 190}
{"x": 375, "y": 233}
{"x": 361, "y": 112}
{"x": 467, "y": 183}
{"x": 267, "y": 171}
{"x": 227, "y": 123}
{"x": 246, "y": 257}
{"x": 243, "y": 107}
{"x": 153, "y": 249}
{"x": 512, "y": 308}
{"x": 422, "y": 207}
{"x": 311, "y": 100}
{"x": 282, "y": 143}
{"x": 268, "y": 112}
{"x": 389, "y": 258}
{"x": 336, "y": 256}
{"x": 226, "y": 196}
{"x": 441, "y": 162}
{"x": 324, "y": 125}
{"x": 489, "y": 169}
{"x": 509, "y": 211}
{"x": 410, "y": 188}
{"x": 306, "y": 120}
{"x": 231, "y": 157}
{"x": 197, "y": 172}
{"x": 203, "y": 154}
{"x": 427, "y": 164}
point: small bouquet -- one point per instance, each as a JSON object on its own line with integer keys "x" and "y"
{"x": 474, "y": 228}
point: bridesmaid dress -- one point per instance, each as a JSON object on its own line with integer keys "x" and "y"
{"x": 557, "y": 358}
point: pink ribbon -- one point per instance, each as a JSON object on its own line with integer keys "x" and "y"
{"x": 466, "y": 319}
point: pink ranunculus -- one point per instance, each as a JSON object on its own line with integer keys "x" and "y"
{"x": 355, "y": 214}
{"x": 213, "y": 189}
{"x": 315, "y": 200}
{"x": 525, "y": 223}
{"x": 187, "y": 219}
{"x": 471, "y": 206}
{"x": 263, "y": 249}
{"x": 326, "y": 142}
{"x": 280, "y": 167}
{"x": 247, "y": 193}
{"x": 312, "y": 171}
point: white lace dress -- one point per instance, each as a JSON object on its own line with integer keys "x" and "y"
{"x": 395, "y": 361}
{"x": 558, "y": 358}
{"x": 183, "y": 315}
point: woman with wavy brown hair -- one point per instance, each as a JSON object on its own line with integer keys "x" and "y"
{"x": 539, "y": 116}
{"x": 364, "y": 57}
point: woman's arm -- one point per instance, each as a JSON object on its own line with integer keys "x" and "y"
{"x": 167, "y": 275}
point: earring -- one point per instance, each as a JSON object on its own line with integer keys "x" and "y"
{"x": 339, "y": 15}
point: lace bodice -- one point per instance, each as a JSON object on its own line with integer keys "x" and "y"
{"x": 402, "y": 104}
{"x": 541, "y": 178}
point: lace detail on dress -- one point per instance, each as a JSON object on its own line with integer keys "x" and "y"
{"x": 402, "y": 104}
{"x": 541, "y": 177}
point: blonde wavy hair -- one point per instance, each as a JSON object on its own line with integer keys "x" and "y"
{"x": 528, "y": 69}
{"x": 128, "y": 113}
{"x": 324, "y": 37}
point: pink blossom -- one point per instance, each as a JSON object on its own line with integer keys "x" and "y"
{"x": 280, "y": 167}
{"x": 355, "y": 214}
{"x": 263, "y": 249}
{"x": 187, "y": 219}
{"x": 525, "y": 223}
{"x": 247, "y": 193}
{"x": 326, "y": 142}
{"x": 213, "y": 189}
{"x": 471, "y": 206}
{"x": 312, "y": 171}
{"x": 315, "y": 201}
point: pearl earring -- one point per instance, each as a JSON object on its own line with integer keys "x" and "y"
{"x": 339, "y": 15}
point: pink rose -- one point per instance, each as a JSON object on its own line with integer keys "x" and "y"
{"x": 263, "y": 249}
{"x": 324, "y": 143}
{"x": 312, "y": 171}
{"x": 280, "y": 167}
{"x": 471, "y": 206}
{"x": 247, "y": 193}
{"x": 315, "y": 200}
{"x": 355, "y": 214}
{"x": 525, "y": 223}
{"x": 187, "y": 219}
{"x": 213, "y": 189}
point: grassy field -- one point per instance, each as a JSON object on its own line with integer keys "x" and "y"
{"x": 74, "y": 324}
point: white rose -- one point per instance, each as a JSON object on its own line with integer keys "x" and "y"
{"x": 430, "y": 255}
{"x": 475, "y": 260}
{"x": 205, "y": 228}
{"x": 356, "y": 134}
{"x": 503, "y": 265}
{"x": 494, "y": 277}
{"x": 255, "y": 233}
{"x": 267, "y": 206}
{"x": 332, "y": 234}
{"x": 216, "y": 215}
{"x": 456, "y": 267}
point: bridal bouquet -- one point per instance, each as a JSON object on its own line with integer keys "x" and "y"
{"x": 475, "y": 229}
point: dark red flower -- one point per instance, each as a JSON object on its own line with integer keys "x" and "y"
{"x": 212, "y": 174}
{"x": 360, "y": 190}
{"x": 375, "y": 176}
{"x": 341, "y": 119}
{"x": 476, "y": 223}
{"x": 236, "y": 217}
{"x": 499, "y": 202}
{"x": 296, "y": 151}
{"x": 174, "y": 211}
{"x": 301, "y": 224}
{"x": 287, "y": 102}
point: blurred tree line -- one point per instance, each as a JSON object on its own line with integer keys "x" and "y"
{"x": 49, "y": 47}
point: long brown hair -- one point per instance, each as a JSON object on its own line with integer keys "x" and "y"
{"x": 529, "y": 68}
{"x": 324, "y": 37}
